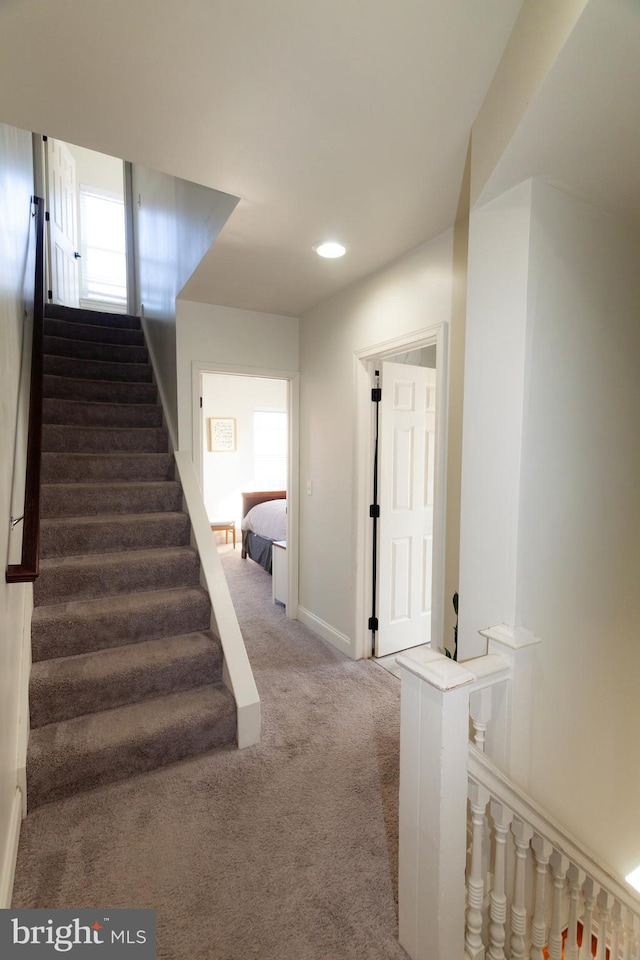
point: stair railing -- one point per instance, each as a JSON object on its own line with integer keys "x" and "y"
{"x": 483, "y": 871}
{"x": 28, "y": 568}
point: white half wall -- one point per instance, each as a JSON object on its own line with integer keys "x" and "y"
{"x": 16, "y": 187}
{"x": 550, "y": 509}
{"x": 492, "y": 418}
{"x": 579, "y": 527}
{"x": 175, "y": 223}
{"x": 409, "y": 295}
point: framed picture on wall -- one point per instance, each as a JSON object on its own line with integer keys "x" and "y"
{"x": 222, "y": 434}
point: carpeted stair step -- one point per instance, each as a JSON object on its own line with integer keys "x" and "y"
{"x": 79, "y": 413}
{"x": 97, "y": 317}
{"x": 90, "y": 350}
{"x": 74, "y": 536}
{"x": 72, "y": 686}
{"x": 105, "y": 574}
{"x": 59, "y": 438}
{"x": 106, "y": 467}
{"x": 99, "y": 748}
{"x": 93, "y": 499}
{"x": 98, "y": 391}
{"x": 96, "y": 369}
{"x": 89, "y": 331}
{"x": 81, "y": 626}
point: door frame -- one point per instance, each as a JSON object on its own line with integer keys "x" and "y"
{"x": 198, "y": 369}
{"x": 364, "y": 364}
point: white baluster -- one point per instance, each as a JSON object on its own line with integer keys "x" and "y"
{"x": 522, "y": 834}
{"x": 605, "y": 903}
{"x": 591, "y": 890}
{"x": 627, "y": 920}
{"x": 617, "y": 933}
{"x": 559, "y": 867}
{"x": 502, "y": 817}
{"x": 576, "y": 879}
{"x": 542, "y": 850}
{"x": 478, "y": 800}
{"x": 635, "y": 939}
{"x": 480, "y": 711}
{"x": 628, "y": 934}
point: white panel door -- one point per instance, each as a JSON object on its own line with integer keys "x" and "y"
{"x": 407, "y": 449}
{"x": 63, "y": 223}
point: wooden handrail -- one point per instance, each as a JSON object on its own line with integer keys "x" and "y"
{"x": 28, "y": 568}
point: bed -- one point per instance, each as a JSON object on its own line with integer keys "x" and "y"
{"x": 264, "y": 520}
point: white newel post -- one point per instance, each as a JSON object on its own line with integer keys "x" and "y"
{"x": 433, "y": 805}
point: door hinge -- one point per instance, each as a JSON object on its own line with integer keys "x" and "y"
{"x": 46, "y": 216}
{"x": 49, "y": 294}
{"x": 376, "y": 394}
{"x": 373, "y": 624}
{"x": 374, "y": 511}
{"x": 201, "y": 403}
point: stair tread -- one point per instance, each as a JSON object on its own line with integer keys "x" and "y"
{"x": 88, "y": 576}
{"x": 86, "y": 389}
{"x": 98, "y": 317}
{"x": 92, "y": 749}
{"x": 97, "y": 607}
{"x": 102, "y": 370}
{"x": 55, "y": 340}
{"x": 111, "y": 727}
{"x": 97, "y": 485}
{"x": 68, "y": 412}
{"x": 126, "y": 557}
{"x": 86, "y": 426}
{"x": 146, "y": 656}
{"x": 106, "y": 364}
{"x": 111, "y": 518}
{"x": 56, "y": 326}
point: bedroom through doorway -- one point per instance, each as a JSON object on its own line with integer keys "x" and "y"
{"x": 245, "y": 469}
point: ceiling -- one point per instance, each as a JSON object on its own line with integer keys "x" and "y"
{"x": 347, "y": 118}
{"x": 582, "y": 130}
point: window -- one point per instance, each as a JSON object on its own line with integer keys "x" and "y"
{"x": 104, "y": 272}
{"x": 270, "y": 448}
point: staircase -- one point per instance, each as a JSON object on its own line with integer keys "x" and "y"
{"x": 126, "y": 674}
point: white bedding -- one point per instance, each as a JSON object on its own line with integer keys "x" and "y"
{"x": 268, "y": 520}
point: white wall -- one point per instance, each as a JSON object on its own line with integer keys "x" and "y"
{"x": 226, "y": 475}
{"x": 16, "y": 187}
{"x": 492, "y": 420}
{"x": 97, "y": 170}
{"x": 223, "y": 337}
{"x": 577, "y": 561}
{"x": 409, "y": 295}
{"x": 175, "y": 223}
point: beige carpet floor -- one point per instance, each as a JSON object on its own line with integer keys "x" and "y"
{"x": 283, "y": 851}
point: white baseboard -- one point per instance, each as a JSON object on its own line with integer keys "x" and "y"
{"x": 327, "y": 632}
{"x": 8, "y": 865}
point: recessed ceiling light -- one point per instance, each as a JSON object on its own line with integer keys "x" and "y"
{"x": 330, "y": 249}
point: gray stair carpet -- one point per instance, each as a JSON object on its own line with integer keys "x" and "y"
{"x": 126, "y": 675}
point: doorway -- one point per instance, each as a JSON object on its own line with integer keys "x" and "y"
{"x": 263, "y": 408}
{"x": 86, "y": 243}
{"x": 400, "y": 594}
